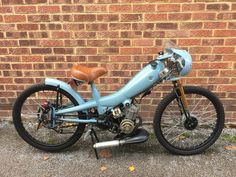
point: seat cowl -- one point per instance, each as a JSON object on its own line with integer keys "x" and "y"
{"x": 87, "y": 74}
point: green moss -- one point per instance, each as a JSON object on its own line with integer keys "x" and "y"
{"x": 229, "y": 138}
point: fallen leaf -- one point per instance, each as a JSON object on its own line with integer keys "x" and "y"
{"x": 230, "y": 147}
{"x": 105, "y": 153}
{"x": 181, "y": 137}
{"x": 103, "y": 168}
{"x": 131, "y": 168}
{"x": 45, "y": 157}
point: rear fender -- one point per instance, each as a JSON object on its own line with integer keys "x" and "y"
{"x": 66, "y": 87}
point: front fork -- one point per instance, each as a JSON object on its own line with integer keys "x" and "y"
{"x": 181, "y": 98}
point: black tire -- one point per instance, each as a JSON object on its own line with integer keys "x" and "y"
{"x": 220, "y": 116}
{"x": 17, "y": 120}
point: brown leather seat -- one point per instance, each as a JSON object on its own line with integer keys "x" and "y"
{"x": 87, "y": 74}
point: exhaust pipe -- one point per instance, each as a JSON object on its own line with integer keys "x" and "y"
{"x": 140, "y": 137}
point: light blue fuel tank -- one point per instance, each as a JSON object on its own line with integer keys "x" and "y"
{"x": 143, "y": 80}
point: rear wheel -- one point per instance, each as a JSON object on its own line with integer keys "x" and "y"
{"x": 32, "y": 118}
{"x": 195, "y": 134}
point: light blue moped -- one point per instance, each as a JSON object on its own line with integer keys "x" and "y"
{"x": 53, "y": 116}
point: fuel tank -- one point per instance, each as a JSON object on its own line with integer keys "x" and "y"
{"x": 142, "y": 81}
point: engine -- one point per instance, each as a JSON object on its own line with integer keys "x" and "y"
{"x": 128, "y": 118}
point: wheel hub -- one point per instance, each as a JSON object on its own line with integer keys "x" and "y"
{"x": 191, "y": 123}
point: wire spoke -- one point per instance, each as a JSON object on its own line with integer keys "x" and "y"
{"x": 36, "y": 119}
{"x": 205, "y": 115}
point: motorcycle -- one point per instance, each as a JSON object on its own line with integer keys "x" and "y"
{"x": 52, "y": 116}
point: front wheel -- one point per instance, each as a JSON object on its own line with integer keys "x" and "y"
{"x": 188, "y": 136}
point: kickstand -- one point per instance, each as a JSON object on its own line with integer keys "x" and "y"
{"x": 93, "y": 137}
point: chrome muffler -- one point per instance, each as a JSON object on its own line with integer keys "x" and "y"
{"x": 140, "y": 137}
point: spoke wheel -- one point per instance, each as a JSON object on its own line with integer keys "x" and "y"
{"x": 32, "y": 117}
{"x": 186, "y": 136}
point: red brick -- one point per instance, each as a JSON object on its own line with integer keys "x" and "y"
{"x": 109, "y": 50}
{"x": 35, "y": 1}
{"x": 215, "y": 25}
{"x": 144, "y": 8}
{"x": 61, "y": 34}
{"x": 19, "y": 51}
{"x": 220, "y": 65}
{"x": 193, "y": 7}
{"x": 142, "y": 26}
{"x": 167, "y": 26}
{"x": 107, "y": 34}
{"x": 5, "y": 9}
{"x": 119, "y": 43}
{"x": 73, "y": 8}
{"x": 27, "y": 27}
{"x": 226, "y": 16}
{"x": 22, "y": 66}
{"x": 223, "y": 50}
{"x": 189, "y": 42}
{"x": 119, "y": 26}
{"x": 217, "y": 7}
{"x": 191, "y": 25}
{"x": 84, "y": 18}
{"x": 204, "y": 16}
{"x": 75, "y": 43}
{"x": 232, "y": 25}
{"x": 224, "y": 33}
{"x": 96, "y": 27}
{"x": 153, "y": 34}
{"x": 31, "y": 58}
{"x": 211, "y": 42}
{"x": 41, "y": 50}
{"x": 155, "y": 17}
{"x": 180, "y": 16}
{"x": 107, "y": 17}
{"x": 12, "y": 2}
{"x": 97, "y": 43}
{"x": 229, "y": 58}
{"x": 152, "y": 50}
{"x": 49, "y": 9}
{"x": 38, "y": 18}
{"x": 25, "y": 9}
{"x": 143, "y": 42}
{"x": 120, "y": 8}
{"x": 197, "y": 50}
{"x": 130, "y": 51}
{"x": 131, "y": 17}
{"x": 63, "y": 50}
{"x": 86, "y": 51}
{"x": 230, "y": 41}
{"x": 201, "y": 33}
{"x": 14, "y": 18}
{"x": 96, "y": 8}
{"x": 168, "y": 7}
{"x": 179, "y": 34}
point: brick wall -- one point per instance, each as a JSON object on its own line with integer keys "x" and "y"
{"x": 44, "y": 38}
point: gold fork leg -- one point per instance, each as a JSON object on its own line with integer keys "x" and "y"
{"x": 180, "y": 91}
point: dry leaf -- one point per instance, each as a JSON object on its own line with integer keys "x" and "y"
{"x": 45, "y": 158}
{"x": 131, "y": 168}
{"x": 105, "y": 153}
{"x": 230, "y": 147}
{"x": 180, "y": 137}
{"x": 103, "y": 168}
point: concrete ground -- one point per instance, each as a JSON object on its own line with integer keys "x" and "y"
{"x": 149, "y": 159}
